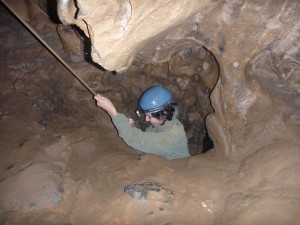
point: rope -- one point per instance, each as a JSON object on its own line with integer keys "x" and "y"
{"x": 47, "y": 46}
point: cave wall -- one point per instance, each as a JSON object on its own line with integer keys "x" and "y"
{"x": 256, "y": 46}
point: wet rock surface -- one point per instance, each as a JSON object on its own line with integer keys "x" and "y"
{"x": 149, "y": 191}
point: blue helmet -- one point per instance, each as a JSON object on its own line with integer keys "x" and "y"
{"x": 154, "y": 99}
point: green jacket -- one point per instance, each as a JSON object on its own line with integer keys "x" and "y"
{"x": 168, "y": 141}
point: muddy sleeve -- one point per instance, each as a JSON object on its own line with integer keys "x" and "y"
{"x": 149, "y": 142}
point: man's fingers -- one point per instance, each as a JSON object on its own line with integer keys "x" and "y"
{"x": 99, "y": 97}
{"x": 96, "y": 97}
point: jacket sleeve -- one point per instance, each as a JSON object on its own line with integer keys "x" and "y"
{"x": 149, "y": 142}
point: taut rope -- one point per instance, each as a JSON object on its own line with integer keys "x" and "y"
{"x": 47, "y": 46}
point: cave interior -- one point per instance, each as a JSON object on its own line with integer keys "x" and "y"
{"x": 234, "y": 67}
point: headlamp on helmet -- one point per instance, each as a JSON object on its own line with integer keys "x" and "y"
{"x": 154, "y": 100}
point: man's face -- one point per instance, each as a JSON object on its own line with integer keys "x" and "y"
{"x": 154, "y": 121}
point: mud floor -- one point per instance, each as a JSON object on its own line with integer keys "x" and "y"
{"x": 62, "y": 162}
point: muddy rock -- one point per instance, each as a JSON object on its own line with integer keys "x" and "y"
{"x": 38, "y": 186}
